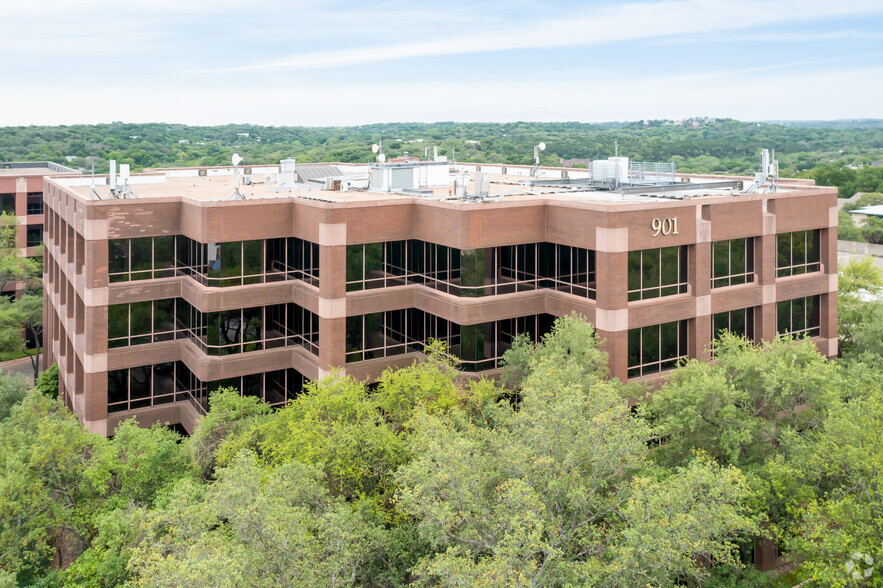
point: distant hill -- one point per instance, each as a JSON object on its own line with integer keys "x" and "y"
{"x": 843, "y": 123}
{"x": 698, "y": 145}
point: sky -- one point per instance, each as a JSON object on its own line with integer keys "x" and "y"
{"x": 324, "y": 62}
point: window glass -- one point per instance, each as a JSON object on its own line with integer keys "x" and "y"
{"x": 140, "y": 382}
{"x": 118, "y": 252}
{"x": 252, "y": 328}
{"x": 163, "y": 379}
{"x": 784, "y": 249}
{"x": 163, "y": 319}
{"x": 354, "y": 338}
{"x": 634, "y": 271}
{"x": 783, "y": 314}
{"x": 737, "y": 257}
{"x": 252, "y": 255}
{"x": 34, "y": 236}
{"x": 374, "y": 262}
{"x": 141, "y": 320}
{"x": 670, "y": 268}
{"x": 118, "y": 321}
{"x": 737, "y": 322}
{"x": 354, "y": 267}
{"x": 164, "y": 256}
{"x": 117, "y": 386}
{"x": 142, "y": 257}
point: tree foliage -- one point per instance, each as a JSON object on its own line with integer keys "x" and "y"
{"x": 431, "y": 479}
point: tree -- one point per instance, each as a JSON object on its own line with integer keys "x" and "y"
{"x": 738, "y": 408}
{"x": 229, "y": 412}
{"x": 47, "y": 382}
{"x": 252, "y": 527}
{"x": 334, "y": 423}
{"x": 47, "y": 499}
{"x": 837, "y": 473}
{"x": 30, "y": 311}
{"x": 553, "y": 493}
{"x": 13, "y": 389}
{"x": 860, "y": 282}
{"x": 14, "y": 267}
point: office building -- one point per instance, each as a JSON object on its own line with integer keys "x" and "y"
{"x": 165, "y": 285}
{"x": 21, "y": 194}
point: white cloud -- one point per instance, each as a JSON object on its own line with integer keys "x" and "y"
{"x": 622, "y": 22}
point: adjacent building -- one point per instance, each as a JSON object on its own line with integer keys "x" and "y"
{"x": 165, "y": 285}
{"x": 21, "y": 194}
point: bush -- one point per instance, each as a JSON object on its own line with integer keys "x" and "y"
{"x": 47, "y": 382}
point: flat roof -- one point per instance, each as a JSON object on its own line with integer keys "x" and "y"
{"x": 33, "y": 168}
{"x": 219, "y": 185}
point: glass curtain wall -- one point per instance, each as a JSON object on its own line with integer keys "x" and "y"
{"x": 216, "y": 333}
{"x": 153, "y": 385}
{"x": 478, "y": 347}
{"x": 472, "y": 272}
{"x": 232, "y": 263}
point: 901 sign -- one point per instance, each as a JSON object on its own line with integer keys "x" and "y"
{"x": 666, "y": 226}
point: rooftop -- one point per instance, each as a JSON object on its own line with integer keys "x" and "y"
{"x": 448, "y": 182}
{"x": 32, "y": 168}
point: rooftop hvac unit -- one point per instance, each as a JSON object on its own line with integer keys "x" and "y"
{"x": 482, "y": 184}
{"x": 611, "y": 170}
{"x": 286, "y": 172}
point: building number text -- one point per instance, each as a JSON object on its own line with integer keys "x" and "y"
{"x": 666, "y": 226}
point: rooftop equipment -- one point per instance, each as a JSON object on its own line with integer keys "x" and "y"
{"x": 287, "y": 169}
{"x": 765, "y": 179}
{"x": 536, "y": 158}
{"x": 236, "y": 159}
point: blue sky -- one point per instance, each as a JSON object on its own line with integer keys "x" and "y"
{"x": 303, "y": 62}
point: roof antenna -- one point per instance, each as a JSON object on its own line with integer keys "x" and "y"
{"x": 92, "y": 189}
{"x": 124, "y": 176}
{"x": 375, "y": 148}
{"x": 536, "y": 158}
{"x": 236, "y": 161}
{"x": 768, "y": 174}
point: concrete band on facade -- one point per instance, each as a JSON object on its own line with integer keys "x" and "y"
{"x": 79, "y": 293}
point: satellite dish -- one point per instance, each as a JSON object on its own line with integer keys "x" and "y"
{"x": 236, "y": 159}
{"x": 542, "y": 146}
{"x": 375, "y": 147}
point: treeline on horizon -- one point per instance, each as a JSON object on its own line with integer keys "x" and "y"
{"x": 546, "y": 478}
{"x": 835, "y": 153}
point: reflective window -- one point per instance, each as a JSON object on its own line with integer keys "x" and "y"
{"x": 472, "y": 272}
{"x": 35, "y": 203}
{"x": 7, "y": 204}
{"x": 34, "y": 236}
{"x": 656, "y": 348}
{"x": 798, "y": 253}
{"x": 739, "y": 322}
{"x": 140, "y": 322}
{"x": 732, "y": 262}
{"x": 216, "y": 333}
{"x": 152, "y": 385}
{"x": 140, "y": 387}
{"x": 478, "y": 347}
{"x": 799, "y": 317}
{"x": 232, "y": 263}
{"x": 653, "y": 273}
